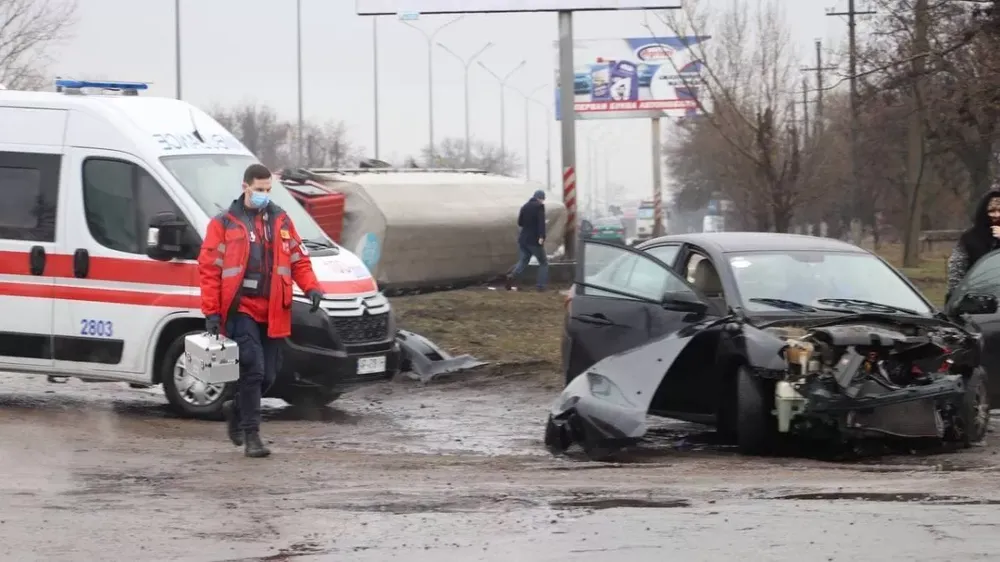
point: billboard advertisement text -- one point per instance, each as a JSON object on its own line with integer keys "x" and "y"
{"x": 636, "y": 77}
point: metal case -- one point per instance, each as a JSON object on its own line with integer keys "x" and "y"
{"x": 211, "y": 359}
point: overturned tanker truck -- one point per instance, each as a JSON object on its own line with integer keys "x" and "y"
{"x": 423, "y": 230}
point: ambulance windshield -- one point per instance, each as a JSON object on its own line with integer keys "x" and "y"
{"x": 214, "y": 180}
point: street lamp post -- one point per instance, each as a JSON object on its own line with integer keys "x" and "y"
{"x": 298, "y": 57}
{"x": 466, "y": 63}
{"x": 177, "y": 43}
{"x": 527, "y": 130}
{"x": 375, "y": 81}
{"x": 503, "y": 89}
{"x": 430, "y": 78}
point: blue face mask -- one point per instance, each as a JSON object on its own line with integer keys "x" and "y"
{"x": 258, "y": 199}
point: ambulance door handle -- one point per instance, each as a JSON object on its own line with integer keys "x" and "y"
{"x": 81, "y": 263}
{"x": 36, "y": 260}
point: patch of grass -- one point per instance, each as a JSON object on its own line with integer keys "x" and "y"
{"x": 930, "y": 276}
{"x": 526, "y": 326}
{"x": 493, "y": 325}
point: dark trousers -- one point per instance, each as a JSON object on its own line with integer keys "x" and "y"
{"x": 260, "y": 359}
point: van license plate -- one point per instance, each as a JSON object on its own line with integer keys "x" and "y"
{"x": 369, "y": 365}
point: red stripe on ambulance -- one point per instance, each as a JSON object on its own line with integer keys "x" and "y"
{"x": 123, "y": 270}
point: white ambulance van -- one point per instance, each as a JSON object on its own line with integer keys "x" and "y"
{"x": 104, "y": 198}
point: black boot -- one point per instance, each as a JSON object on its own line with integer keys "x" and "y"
{"x": 232, "y": 423}
{"x": 255, "y": 447}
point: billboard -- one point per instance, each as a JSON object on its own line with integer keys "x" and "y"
{"x": 390, "y": 7}
{"x": 635, "y": 77}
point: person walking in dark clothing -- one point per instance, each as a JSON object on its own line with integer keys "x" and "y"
{"x": 982, "y": 238}
{"x": 531, "y": 240}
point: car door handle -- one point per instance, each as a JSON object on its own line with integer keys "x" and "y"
{"x": 36, "y": 260}
{"x": 81, "y": 263}
{"x": 598, "y": 318}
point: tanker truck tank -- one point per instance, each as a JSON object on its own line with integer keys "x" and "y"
{"x": 425, "y": 229}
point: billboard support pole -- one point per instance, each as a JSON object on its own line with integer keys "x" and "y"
{"x": 658, "y": 229}
{"x": 568, "y": 124}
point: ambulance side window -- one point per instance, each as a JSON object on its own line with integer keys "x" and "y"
{"x": 29, "y": 186}
{"x": 120, "y": 198}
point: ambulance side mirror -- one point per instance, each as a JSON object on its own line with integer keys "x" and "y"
{"x": 166, "y": 237}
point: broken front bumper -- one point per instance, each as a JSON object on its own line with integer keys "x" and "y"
{"x": 593, "y": 412}
{"x": 873, "y": 410}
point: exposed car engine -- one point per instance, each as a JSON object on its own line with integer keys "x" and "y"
{"x": 870, "y": 379}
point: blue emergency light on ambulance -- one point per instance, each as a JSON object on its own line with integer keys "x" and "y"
{"x": 127, "y": 88}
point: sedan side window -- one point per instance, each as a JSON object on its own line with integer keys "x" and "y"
{"x": 666, "y": 254}
{"x": 633, "y": 273}
{"x": 984, "y": 277}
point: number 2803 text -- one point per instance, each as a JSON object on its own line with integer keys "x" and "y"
{"x": 99, "y": 328}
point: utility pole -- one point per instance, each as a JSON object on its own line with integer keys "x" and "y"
{"x": 917, "y": 136}
{"x": 805, "y": 111}
{"x": 819, "y": 69}
{"x": 852, "y": 62}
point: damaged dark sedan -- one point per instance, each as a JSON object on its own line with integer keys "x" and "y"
{"x": 765, "y": 336}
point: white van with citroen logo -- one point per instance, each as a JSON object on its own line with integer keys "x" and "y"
{"x": 86, "y": 173}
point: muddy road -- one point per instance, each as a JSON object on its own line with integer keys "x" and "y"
{"x": 451, "y": 471}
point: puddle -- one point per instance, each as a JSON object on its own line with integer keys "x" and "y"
{"x": 463, "y": 421}
{"x": 901, "y": 497}
{"x": 612, "y": 503}
{"x": 417, "y": 505}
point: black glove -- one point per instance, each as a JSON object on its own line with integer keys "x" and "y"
{"x": 213, "y": 324}
{"x": 316, "y": 297}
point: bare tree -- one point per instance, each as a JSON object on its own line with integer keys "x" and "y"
{"x": 260, "y": 130}
{"x": 327, "y": 146}
{"x": 28, "y": 28}
{"x": 746, "y": 95}
{"x": 451, "y": 153}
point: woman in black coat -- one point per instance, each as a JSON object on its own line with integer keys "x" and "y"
{"x": 982, "y": 238}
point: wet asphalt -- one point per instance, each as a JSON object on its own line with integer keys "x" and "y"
{"x": 455, "y": 470}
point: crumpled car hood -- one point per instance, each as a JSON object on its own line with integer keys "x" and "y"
{"x": 609, "y": 402}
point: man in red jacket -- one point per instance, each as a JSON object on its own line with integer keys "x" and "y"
{"x": 250, "y": 257}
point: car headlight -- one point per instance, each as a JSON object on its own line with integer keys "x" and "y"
{"x": 604, "y": 388}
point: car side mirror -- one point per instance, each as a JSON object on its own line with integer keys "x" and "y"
{"x": 683, "y": 301}
{"x": 167, "y": 237}
{"x": 977, "y": 303}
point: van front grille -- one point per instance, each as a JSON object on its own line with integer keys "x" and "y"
{"x": 361, "y": 329}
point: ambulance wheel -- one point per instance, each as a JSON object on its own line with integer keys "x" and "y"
{"x": 188, "y": 396}
{"x": 309, "y": 398}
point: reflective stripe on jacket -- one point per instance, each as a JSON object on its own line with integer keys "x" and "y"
{"x": 224, "y": 257}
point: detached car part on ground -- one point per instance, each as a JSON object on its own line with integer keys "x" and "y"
{"x": 850, "y": 376}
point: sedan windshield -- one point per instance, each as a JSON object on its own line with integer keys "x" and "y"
{"x": 821, "y": 280}
{"x": 214, "y": 180}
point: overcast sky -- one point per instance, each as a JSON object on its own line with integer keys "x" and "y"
{"x": 242, "y": 50}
